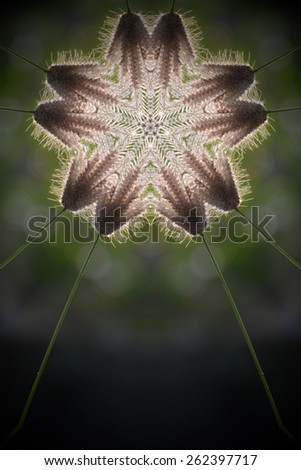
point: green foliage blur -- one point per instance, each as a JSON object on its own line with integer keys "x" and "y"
{"x": 150, "y": 348}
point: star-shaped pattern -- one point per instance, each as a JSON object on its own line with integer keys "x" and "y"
{"x": 149, "y": 126}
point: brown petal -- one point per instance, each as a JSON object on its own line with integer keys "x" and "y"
{"x": 232, "y": 123}
{"x": 79, "y": 81}
{"x": 67, "y": 124}
{"x": 172, "y": 46}
{"x": 128, "y": 46}
{"x": 224, "y": 81}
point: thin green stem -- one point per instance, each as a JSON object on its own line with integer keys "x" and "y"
{"x": 128, "y": 6}
{"x": 272, "y": 243}
{"x": 283, "y": 110}
{"x": 28, "y": 242}
{"x": 9, "y": 51}
{"x": 51, "y": 344}
{"x": 249, "y": 344}
{"x": 281, "y": 56}
{"x": 173, "y": 6}
{"x": 18, "y": 110}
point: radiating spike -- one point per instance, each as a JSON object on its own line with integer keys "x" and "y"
{"x": 224, "y": 82}
{"x": 67, "y": 124}
{"x": 172, "y": 46}
{"x": 80, "y": 81}
{"x": 129, "y": 43}
{"x": 233, "y": 123}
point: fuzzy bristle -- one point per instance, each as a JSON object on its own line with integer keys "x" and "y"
{"x": 150, "y": 126}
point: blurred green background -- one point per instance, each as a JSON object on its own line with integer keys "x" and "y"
{"x": 150, "y": 355}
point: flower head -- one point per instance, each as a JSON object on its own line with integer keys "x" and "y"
{"x": 150, "y": 127}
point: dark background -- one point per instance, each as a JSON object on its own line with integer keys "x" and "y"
{"x": 150, "y": 355}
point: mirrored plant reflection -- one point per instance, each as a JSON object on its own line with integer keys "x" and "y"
{"x": 117, "y": 276}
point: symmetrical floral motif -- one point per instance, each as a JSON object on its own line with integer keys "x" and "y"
{"x": 150, "y": 125}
